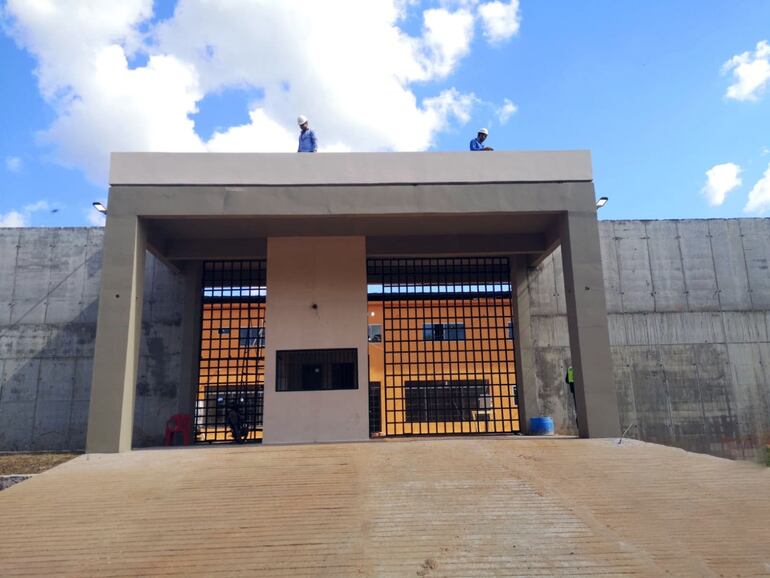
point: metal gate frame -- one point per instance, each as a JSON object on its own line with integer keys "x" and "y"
{"x": 448, "y": 345}
{"x": 231, "y": 366}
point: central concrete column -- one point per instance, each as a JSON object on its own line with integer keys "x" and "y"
{"x": 597, "y": 401}
{"x": 118, "y": 328}
{"x": 191, "y": 336}
{"x": 523, "y": 350}
{"x": 316, "y": 299}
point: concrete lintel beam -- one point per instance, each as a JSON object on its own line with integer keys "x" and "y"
{"x": 350, "y": 201}
{"x": 207, "y": 249}
{"x": 455, "y": 245}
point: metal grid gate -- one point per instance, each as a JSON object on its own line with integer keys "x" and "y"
{"x": 231, "y": 375}
{"x": 447, "y": 345}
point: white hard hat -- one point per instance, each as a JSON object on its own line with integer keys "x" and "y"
{"x": 301, "y": 119}
{"x": 483, "y": 131}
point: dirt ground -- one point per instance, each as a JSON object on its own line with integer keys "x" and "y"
{"x": 18, "y": 463}
{"x": 465, "y": 507}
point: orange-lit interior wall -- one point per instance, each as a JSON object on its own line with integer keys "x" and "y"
{"x": 486, "y": 353}
{"x": 223, "y": 363}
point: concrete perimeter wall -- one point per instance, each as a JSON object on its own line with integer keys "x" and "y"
{"x": 689, "y": 314}
{"x": 49, "y": 287}
{"x": 689, "y": 319}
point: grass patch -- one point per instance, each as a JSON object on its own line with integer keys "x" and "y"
{"x": 31, "y": 463}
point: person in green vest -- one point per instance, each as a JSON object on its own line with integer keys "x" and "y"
{"x": 569, "y": 379}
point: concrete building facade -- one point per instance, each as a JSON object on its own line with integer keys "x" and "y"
{"x": 689, "y": 340}
{"x": 451, "y": 207}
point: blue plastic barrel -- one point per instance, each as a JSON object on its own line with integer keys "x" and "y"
{"x": 541, "y": 426}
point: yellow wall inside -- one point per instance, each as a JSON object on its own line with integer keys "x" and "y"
{"x": 485, "y": 354}
{"x": 224, "y": 365}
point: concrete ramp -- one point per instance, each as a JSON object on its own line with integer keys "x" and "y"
{"x": 441, "y": 507}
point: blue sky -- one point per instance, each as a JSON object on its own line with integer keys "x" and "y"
{"x": 641, "y": 84}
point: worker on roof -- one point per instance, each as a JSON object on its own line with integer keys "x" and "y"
{"x": 307, "y": 140}
{"x": 477, "y": 143}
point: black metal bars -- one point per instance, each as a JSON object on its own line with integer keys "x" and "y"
{"x": 231, "y": 376}
{"x": 446, "y": 345}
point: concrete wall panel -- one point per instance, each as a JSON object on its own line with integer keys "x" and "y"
{"x": 653, "y": 409}
{"x": 550, "y": 329}
{"x": 17, "y": 420}
{"x": 756, "y": 245}
{"x": 610, "y": 267}
{"x": 558, "y": 283}
{"x": 730, "y": 264}
{"x": 666, "y": 266}
{"x": 9, "y": 241}
{"x": 745, "y": 326}
{"x": 20, "y": 380}
{"x": 52, "y": 422}
{"x": 621, "y": 365}
{"x": 699, "y": 275}
{"x": 749, "y": 389}
{"x": 553, "y": 393}
{"x": 675, "y": 328}
{"x": 32, "y": 273}
{"x": 57, "y": 379}
{"x": 692, "y": 365}
{"x": 634, "y": 266}
{"x": 76, "y": 435}
{"x": 67, "y": 276}
{"x": 542, "y": 289}
{"x": 683, "y": 390}
{"x": 49, "y": 287}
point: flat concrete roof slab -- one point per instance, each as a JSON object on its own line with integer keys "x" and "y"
{"x": 291, "y": 169}
{"x": 440, "y": 507}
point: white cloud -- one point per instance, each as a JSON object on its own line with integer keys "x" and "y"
{"x": 447, "y": 36}
{"x": 13, "y": 164}
{"x": 35, "y": 207}
{"x": 13, "y": 219}
{"x": 751, "y": 72}
{"x": 759, "y": 195}
{"x": 500, "y": 20}
{"x": 351, "y": 76}
{"x": 720, "y": 180}
{"x": 505, "y": 111}
{"x": 22, "y": 218}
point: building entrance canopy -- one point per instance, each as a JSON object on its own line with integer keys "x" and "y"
{"x": 190, "y": 208}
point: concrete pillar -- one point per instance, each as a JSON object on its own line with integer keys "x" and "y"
{"x": 191, "y": 331}
{"x": 597, "y": 402}
{"x": 316, "y": 299}
{"x": 524, "y": 352}
{"x": 113, "y": 386}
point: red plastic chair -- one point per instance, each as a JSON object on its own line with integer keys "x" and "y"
{"x": 179, "y": 423}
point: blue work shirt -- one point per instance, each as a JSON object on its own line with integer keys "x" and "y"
{"x": 476, "y": 145}
{"x": 307, "y": 142}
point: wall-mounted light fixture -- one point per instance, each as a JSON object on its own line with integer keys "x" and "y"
{"x": 601, "y": 202}
{"x": 99, "y": 207}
